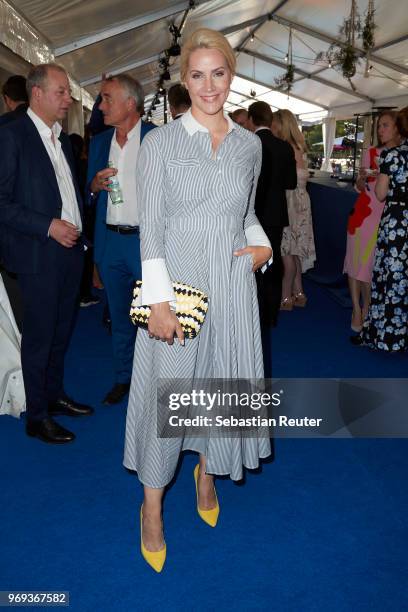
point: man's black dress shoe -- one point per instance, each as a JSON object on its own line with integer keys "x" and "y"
{"x": 117, "y": 393}
{"x": 68, "y": 407}
{"x": 49, "y": 431}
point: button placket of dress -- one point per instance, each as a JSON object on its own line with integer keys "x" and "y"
{"x": 218, "y": 154}
{"x": 221, "y": 161}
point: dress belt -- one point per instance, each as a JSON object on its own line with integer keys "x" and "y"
{"x": 123, "y": 229}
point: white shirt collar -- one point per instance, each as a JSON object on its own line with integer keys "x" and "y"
{"x": 262, "y": 127}
{"x": 133, "y": 132}
{"x": 192, "y": 125}
{"x": 42, "y": 127}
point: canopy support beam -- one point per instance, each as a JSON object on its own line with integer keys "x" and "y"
{"x": 125, "y": 26}
{"x": 307, "y": 75}
{"x": 271, "y": 88}
{"x": 391, "y": 43}
{"x": 330, "y": 40}
{"x": 260, "y": 24}
{"x": 314, "y": 34}
{"x": 125, "y": 68}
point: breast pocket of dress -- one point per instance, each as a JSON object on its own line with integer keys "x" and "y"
{"x": 241, "y": 174}
{"x": 187, "y": 180}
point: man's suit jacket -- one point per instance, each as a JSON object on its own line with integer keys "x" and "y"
{"x": 278, "y": 173}
{"x": 29, "y": 196}
{"x": 17, "y": 113}
{"x": 98, "y": 160}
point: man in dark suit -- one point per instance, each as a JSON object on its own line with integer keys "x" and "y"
{"x": 15, "y": 98}
{"x": 278, "y": 173}
{"x": 117, "y": 244}
{"x": 179, "y": 100}
{"x": 40, "y": 241}
{"x": 240, "y": 116}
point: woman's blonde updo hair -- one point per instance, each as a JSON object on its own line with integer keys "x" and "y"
{"x": 288, "y": 128}
{"x": 204, "y": 38}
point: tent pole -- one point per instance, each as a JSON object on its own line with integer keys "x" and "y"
{"x": 165, "y": 106}
{"x": 355, "y": 150}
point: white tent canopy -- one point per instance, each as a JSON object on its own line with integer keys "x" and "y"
{"x": 100, "y": 36}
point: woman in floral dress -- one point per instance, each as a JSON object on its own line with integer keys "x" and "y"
{"x": 386, "y": 327}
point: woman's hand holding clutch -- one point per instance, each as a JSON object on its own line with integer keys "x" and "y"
{"x": 164, "y": 325}
{"x": 260, "y": 255}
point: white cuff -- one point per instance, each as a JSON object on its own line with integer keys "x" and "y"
{"x": 256, "y": 236}
{"x": 157, "y": 286}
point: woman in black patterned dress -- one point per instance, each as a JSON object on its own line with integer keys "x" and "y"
{"x": 386, "y": 326}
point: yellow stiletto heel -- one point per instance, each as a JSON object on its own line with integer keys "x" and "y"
{"x": 154, "y": 559}
{"x": 209, "y": 516}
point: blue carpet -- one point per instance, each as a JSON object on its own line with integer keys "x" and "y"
{"x": 322, "y": 528}
{"x": 314, "y": 342}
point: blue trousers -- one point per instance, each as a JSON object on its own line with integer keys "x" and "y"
{"x": 119, "y": 268}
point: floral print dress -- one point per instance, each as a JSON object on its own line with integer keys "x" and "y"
{"x": 386, "y": 327}
{"x": 298, "y": 237}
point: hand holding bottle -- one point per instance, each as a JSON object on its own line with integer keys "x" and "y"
{"x": 102, "y": 180}
{"x": 107, "y": 180}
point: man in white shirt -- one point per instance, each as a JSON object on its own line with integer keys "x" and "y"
{"x": 40, "y": 241}
{"x": 114, "y": 153}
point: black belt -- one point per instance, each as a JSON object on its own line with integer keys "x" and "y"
{"x": 123, "y": 229}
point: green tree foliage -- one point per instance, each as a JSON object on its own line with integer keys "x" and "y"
{"x": 313, "y": 134}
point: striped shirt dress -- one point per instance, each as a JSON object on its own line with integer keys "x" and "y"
{"x": 197, "y": 208}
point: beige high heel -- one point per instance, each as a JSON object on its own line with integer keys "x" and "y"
{"x": 357, "y": 321}
{"x": 300, "y": 299}
{"x": 287, "y": 303}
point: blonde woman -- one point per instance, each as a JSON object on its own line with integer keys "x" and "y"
{"x": 196, "y": 185}
{"x": 362, "y": 228}
{"x": 298, "y": 249}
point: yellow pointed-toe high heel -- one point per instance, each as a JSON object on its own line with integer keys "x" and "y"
{"x": 209, "y": 516}
{"x": 154, "y": 559}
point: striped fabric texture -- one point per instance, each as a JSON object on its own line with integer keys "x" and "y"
{"x": 194, "y": 209}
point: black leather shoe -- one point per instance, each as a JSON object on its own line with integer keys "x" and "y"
{"x": 49, "y": 431}
{"x": 68, "y": 407}
{"x": 117, "y": 393}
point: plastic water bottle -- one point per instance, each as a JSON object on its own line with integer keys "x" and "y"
{"x": 115, "y": 189}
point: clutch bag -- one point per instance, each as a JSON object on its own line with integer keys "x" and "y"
{"x": 191, "y": 308}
